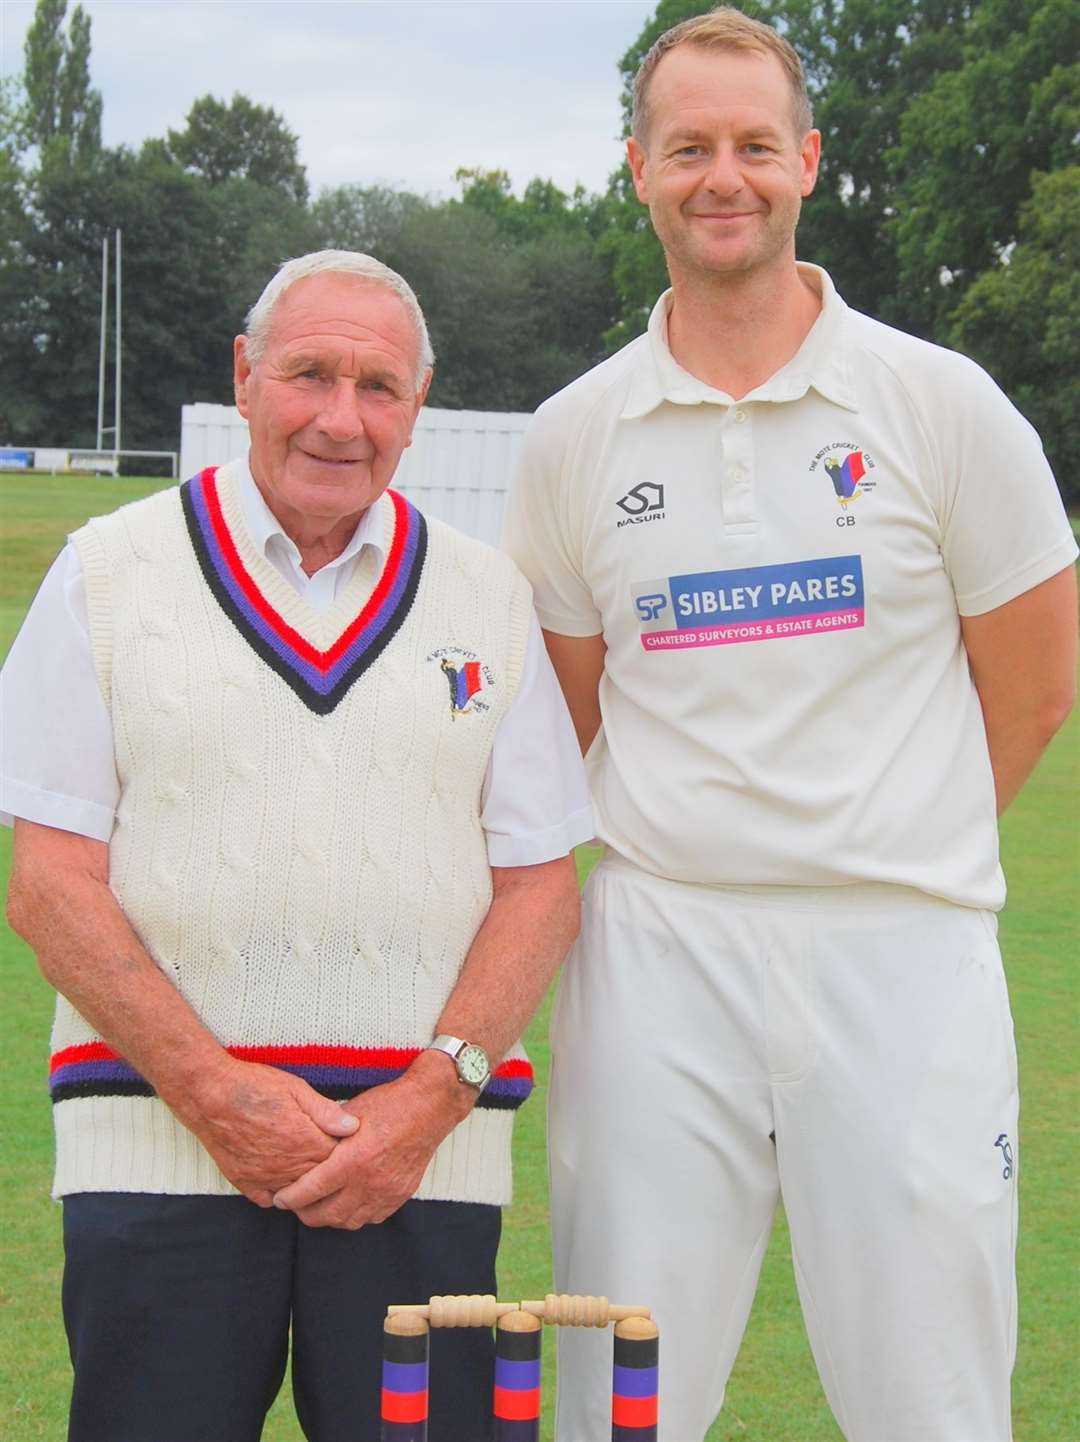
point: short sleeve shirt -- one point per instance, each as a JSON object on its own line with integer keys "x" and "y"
{"x": 779, "y": 581}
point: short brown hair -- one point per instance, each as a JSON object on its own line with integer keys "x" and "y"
{"x": 724, "y": 28}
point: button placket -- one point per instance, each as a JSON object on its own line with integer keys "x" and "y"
{"x": 737, "y": 470}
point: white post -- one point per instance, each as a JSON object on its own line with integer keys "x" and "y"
{"x": 116, "y": 425}
{"x": 104, "y": 320}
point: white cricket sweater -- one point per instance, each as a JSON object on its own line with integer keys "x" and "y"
{"x": 298, "y": 840}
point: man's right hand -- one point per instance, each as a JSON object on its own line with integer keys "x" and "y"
{"x": 263, "y": 1127}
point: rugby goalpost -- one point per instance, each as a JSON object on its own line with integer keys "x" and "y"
{"x": 96, "y": 460}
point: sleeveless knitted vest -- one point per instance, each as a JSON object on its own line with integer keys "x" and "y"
{"x": 297, "y": 841}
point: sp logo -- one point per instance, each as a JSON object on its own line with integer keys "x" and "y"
{"x": 648, "y": 496}
{"x": 649, "y": 607}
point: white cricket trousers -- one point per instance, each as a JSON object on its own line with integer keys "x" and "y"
{"x": 847, "y": 1049}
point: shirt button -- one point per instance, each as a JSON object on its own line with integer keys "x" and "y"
{"x": 740, "y": 416}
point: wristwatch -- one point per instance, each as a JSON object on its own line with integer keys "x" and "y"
{"x": 470, "y": 1060}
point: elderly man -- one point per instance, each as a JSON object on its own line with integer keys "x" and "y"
{"x": 808, "y": 586}
{"x": 298, "y": 895}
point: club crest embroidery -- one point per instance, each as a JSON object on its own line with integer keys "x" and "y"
{"x": 467, "y": 677}
{"x": 848, "y": 468}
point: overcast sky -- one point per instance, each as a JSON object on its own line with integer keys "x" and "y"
{"x": 401, "y": 93}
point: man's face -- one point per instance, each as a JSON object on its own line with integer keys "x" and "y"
{"x": 722, "y": 169}
{"x": 332, "y": 402}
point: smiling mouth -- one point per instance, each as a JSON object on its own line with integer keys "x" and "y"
{"x": 336, "y": 460}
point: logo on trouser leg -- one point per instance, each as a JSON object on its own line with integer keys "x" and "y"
{"x": 1006, "y": 1155}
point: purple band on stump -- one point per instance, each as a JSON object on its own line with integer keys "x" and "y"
{"x": 405, "y": 1387}
{"x": 634, "y": 1382}
{"x": 516, "y": 1404}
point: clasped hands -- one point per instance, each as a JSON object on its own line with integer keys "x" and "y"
{"x": 335, "y": 1165}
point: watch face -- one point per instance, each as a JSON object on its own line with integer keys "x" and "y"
{"x": 473, "y": 1065}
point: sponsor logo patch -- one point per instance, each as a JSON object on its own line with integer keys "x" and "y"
{"x": 756, "y": 603}
{"x": 644, "y": 502}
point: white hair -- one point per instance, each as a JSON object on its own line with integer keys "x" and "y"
{"x": 337, "y": 262}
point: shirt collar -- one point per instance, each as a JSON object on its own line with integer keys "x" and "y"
{"x": 822, "y": 362}
{"x": 265, "y": 532}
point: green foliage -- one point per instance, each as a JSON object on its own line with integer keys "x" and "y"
{"x": 240, "y": 140}
{"x": 12, "y": 190}
{"x": 194, "y": 256}
{"x": 970, "y": 143}
{"x": 62, "y": 115}
{"x": 516, "y": 294}
{"x": 49, "y": 355}
{"x": 865, "y": 59}
{"x": 1021, "y": 320}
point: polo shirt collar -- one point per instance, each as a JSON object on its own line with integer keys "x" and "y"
{"x": 822, "y": 362}
{"x": 265, "y": 532}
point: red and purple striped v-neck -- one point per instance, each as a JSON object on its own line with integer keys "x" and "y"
{"x": 319, "y": 678}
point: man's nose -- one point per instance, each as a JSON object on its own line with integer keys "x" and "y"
{"x": 341, "y": 417}
{"x": 724, "y": 175}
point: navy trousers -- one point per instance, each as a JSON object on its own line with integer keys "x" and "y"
{"x": 179, "y": 1309}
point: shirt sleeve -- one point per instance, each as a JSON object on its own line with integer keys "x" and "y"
{"x": 542, "y": 530}
{"x": 56, "y": 756}
{"x": 1005, "y": 528}
{"x": 535, "y": 800}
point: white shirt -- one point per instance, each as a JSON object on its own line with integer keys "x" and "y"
{"x": 779, "y": 581}
{"x": 56, "y": 758}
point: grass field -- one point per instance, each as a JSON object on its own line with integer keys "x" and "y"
{"x": 774, "y": 1395}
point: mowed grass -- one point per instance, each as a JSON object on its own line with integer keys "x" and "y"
{"x": 774, "y": 1394}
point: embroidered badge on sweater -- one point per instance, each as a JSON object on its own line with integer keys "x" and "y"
{"x": 467, "y": 676}
{"x": 319, "y": 678}
{"x": 93, "y": 1069}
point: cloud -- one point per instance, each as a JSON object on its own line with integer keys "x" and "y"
{"x": 401, "y": 94}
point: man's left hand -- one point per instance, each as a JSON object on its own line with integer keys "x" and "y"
{"x": 369, "y": 1175}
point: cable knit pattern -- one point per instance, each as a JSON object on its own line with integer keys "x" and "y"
{"x": 310, "y": 882}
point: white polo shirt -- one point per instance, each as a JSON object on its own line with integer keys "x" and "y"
{"x": 786, "y": 699}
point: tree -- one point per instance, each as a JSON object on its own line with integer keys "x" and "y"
{"x": 969, "y": 145}
{"x": 515, "y": 293}
{"x": 865, "y": 60}
{"x": 62, "y": 111}
{"x": 1021, "y": 320}
{"x": 365, "y": 218}
{"x": 240, "y": 140}
{"x": 172, "y": 301}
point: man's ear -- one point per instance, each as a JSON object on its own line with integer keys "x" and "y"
{"x": 241, "y": 374}
{"x": 635, "y": 154}
{"x": 421, "y": 397}
{"x": 810, "y": 156}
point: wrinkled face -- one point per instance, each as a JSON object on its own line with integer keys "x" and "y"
{"x": 722, "y": 170}
{"x": 332, "y": 402}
